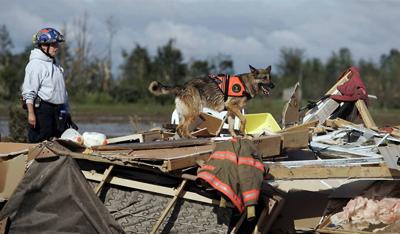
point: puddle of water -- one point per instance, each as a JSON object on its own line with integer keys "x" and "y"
{"x": 107, "y": 128}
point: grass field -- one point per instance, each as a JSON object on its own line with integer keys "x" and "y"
{"x": 157, "y": 111}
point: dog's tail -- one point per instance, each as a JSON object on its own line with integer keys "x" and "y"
{"x": 157, "y": 89}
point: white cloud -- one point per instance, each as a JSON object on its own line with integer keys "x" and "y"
{"x": 250, "y": 31}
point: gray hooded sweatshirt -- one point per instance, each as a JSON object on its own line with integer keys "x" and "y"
{"x": 43, "y": 78}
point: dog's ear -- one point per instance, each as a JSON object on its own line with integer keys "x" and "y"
{"x": 252, "y": 69}
{"x": 268, "y": 69}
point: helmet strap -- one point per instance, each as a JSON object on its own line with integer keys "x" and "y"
{"x": 47, "y": 51}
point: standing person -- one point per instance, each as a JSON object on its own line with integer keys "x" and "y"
{"x": 43, "y": 89}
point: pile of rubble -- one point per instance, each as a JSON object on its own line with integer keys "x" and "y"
{"x": 323, "y": 171}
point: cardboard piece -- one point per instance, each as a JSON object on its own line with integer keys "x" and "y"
{"x": 211, "y": 123}
{"x": 290, "y": 113}
{"x": 9, "y": 149}
{"x": 296, "y": 139}
{"x": 268, "y": 145}
{"x": 13, "y": 159}
{"x": 11, "y": 173}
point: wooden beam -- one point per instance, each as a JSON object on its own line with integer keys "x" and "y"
{"x": 344, "y": 78}
{"x": 338, "y": 123}
{"x": 307, "y": 125}
{"x": 115, "y": 180}
{"x": 365, "y": 115}
{"x": 155, "y": 145}
{"x": 169, "y": 206}
{"x": 277, "y": 172}
{"x": 105, "y": 177}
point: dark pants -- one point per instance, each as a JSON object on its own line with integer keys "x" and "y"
{"x": 46, "y": 123}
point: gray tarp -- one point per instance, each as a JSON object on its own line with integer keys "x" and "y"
{"x": 54, "y": 197}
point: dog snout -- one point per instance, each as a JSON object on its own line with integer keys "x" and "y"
{"x": 271, "y": 85}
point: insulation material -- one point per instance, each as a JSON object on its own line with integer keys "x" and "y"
{"x": 377, "y": 209}
{"x": 361, "y": 212}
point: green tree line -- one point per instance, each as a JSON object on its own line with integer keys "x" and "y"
{"x": 90, "y": 78}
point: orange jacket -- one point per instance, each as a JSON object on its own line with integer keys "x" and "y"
{"x": 235, "y": 170}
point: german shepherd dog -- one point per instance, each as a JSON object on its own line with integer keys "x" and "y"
{"x": 205, "y": 92}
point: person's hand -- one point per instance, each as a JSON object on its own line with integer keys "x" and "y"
{"x": 32, "y": 119}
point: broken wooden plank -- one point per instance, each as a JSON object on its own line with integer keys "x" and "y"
{"x": 154, "y": 145}
{"x": 346, "y": 76}
{"x": 381, "y": 171}
{"x": 365, "y": 115}
{"x": 115, "y": 159}
{"x": 104, "y": 179}
{"x": 130, "y": 183}
{"x": 128, "y": 138}
{"x": 169, "y": 207}
{"x": 338, "y": 123}
{"x": 307, "y": 125}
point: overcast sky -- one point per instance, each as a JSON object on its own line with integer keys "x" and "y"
{"x": 251, "y": 31}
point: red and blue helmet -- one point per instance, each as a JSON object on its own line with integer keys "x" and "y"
{"x": 47, "y": 36}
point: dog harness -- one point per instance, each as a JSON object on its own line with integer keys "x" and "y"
{"x": 231, "y": 86}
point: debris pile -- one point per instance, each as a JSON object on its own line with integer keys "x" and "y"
{"x": 321, "y": 170}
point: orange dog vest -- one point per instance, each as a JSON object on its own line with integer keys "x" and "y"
{"x": 231, "y": 86}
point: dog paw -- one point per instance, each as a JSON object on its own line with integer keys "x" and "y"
{"x": 248, "y": 137}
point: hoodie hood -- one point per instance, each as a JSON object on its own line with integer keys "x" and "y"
{"x": 38, "y": 54}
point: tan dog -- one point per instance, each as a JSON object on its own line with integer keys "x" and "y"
{"x": 206, "y": 92}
